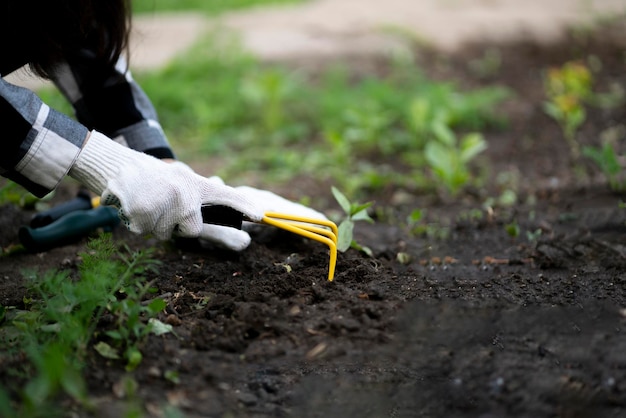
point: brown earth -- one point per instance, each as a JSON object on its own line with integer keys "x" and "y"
{"x": 478, "y": 324}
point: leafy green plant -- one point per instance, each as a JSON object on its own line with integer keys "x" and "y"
{"x": 567, "y": 88}
{"x": 217, "y": 100}
{"x": 134, "y": 322}
{"x": 512, "y": 229}
{"x": 57, "y": 325}
{"x": 449, "y": 158}
{"x": 353, "y": 212}
{"x": 267, "y": 92}
{"x": 607, "y": 160}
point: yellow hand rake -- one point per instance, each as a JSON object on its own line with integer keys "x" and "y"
{"x": 306, "y": 227}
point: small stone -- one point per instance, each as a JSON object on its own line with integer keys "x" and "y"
{"x": 173, "y": 320}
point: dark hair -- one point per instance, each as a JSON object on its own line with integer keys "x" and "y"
{"x": 47, "y": 32}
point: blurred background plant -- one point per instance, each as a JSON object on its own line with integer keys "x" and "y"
{"x": 567, "y": 88}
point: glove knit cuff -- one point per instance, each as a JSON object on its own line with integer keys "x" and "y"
{"x": 100, "y": 160}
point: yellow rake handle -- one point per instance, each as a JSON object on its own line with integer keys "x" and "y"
{"x": 301, "y": 226}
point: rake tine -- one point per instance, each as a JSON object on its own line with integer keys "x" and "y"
{"x": 315, "y": 229}
{"x": 324, "y": 236}
{"x": 306, "y": 220}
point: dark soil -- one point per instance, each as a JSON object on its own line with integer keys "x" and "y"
{"x": 477, "y": 324}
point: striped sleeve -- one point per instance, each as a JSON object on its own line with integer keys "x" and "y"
{"x": 39, "y": 144}
{"x": 110, "y": 101}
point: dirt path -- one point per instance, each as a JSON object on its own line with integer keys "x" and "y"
{"x": 336, "y": 27}
{"x": 323, "y": 28}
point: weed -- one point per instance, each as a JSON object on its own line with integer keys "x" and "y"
{"x": 533, "y": 236}
{"x": 353, "y": 212}
{"x": 281, "y": 124}
{"x": 267, "y": 92}
{"x": 567, "y": 88}
{"x": 131, "y": 327}
{"x": 58, "y": 324}
{"x": 606, "y": 159}
{"x": 512, "y": 229}
{"x": 449, "y": 159}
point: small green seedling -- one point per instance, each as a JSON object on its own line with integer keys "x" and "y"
{"x": 608, "y": 161}
{"x": 449, "y": 159}
{"x": 353, "y": 212}
{"x": 512, "y": 229}
{"x": 567, "y": 88}
{"x": 57, "y": 326}
{"x": 268, "y": 91}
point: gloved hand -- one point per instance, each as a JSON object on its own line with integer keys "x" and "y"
{"x": 267, "y": 202}
{"x": 158, "y": 197}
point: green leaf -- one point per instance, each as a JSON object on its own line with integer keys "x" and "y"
{"x": 156, "y": 306}
{"x": 56, "y": 327}
{"x": 116, "y": 335}
{"x": 159, "y": 328}
{"x": 512, "y": 229}
{"x": 106, "y": 351}
{"x": 605, "y": 158}
{"x": 444, "y": 134}
{"x": 416, "y": 216}
{"x": 611, "y": 164}
{"x": 342, "y": 200}
{"x": 552, "y": 110}
{"x": 439, "y": 156}
{"x": 73, "y": 383}
{"x": 172, "y": 376}
{"x": 134, "y": 357}
{"x": 471, "y": 146}
{"x": 362, "y": 248}
{"x": 345, "y": 231}
{"x": 419, "y": 112}
{"x": 359, "y": 207}
{"x": 362, "y": 216}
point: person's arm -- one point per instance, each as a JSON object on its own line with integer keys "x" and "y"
{"x": 110, "y": 101}
{"x": 39, "y": 145}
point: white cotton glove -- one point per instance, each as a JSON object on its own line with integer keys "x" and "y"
{"x": 271, "y": 202}
{"x": 268, "y": 202}
{"x": 158, "y": 197}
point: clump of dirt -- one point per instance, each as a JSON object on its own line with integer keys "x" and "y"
{"x": 480, "y": 323}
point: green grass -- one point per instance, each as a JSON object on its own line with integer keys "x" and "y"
{"x": 211, "y": 7}
{"x": 274, "y": 123}
{"x": 247, "y": 119}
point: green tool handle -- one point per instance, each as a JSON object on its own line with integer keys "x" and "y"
{"x": 82, "y": 201}
{"x": 68, "y": 228}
